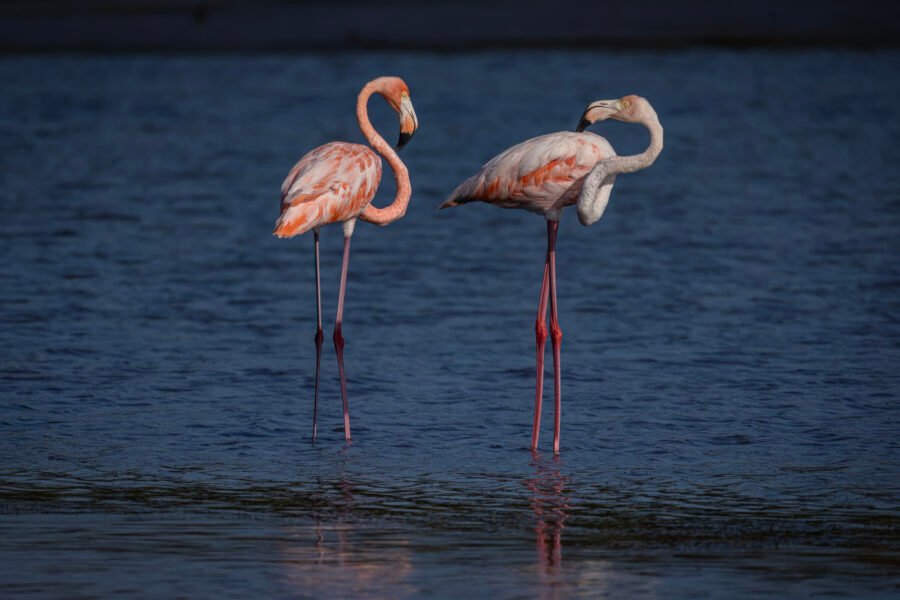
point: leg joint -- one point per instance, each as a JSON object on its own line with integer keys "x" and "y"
{"x": 540, "y": 330}
{"x": 338, "y": 338}
{"x": 555, "y": 333}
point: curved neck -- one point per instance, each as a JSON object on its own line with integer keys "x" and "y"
{"x": 636, "y": 162}
{"x": 598, "y": 183}
{"x": 397, "y": 208}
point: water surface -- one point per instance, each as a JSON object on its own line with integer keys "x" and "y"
{"x": 730, "y": 351}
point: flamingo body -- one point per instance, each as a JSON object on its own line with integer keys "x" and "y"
{"x": 336, "y": 182}
{"x": 332, "y": 183}
{"x": 542, "y": 175}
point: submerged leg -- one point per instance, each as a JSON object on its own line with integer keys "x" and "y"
{"x": 540, "y": 332}
{"x": 338, "y": 336}
{"x": 319, "y": 336}
{"x": 555, "y": 331}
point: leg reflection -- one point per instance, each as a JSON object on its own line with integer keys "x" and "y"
{"x": 339, "y": 557}
{"x": 550, "y": 506}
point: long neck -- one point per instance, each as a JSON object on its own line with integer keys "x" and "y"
{"x": 598, "y": 183}
{"x": 636, "y": 162}
{"x": 397, "y": 208}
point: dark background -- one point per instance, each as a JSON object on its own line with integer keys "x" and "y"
{"x": 271, "y": 25}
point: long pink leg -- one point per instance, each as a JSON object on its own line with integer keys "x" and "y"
{"x": 339, "y": 338}
{"x": 555, "y": 331}
{"x": 540, "y": 331}
{"x": 319, "y": 336}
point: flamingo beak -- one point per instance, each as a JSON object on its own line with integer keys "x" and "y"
{"x": 408, "y": 122}
{"x": 598, "y": 111}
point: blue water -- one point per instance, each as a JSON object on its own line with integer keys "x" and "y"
{"x": 731, "y": 348}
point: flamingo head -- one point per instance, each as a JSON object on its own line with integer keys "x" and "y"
{"x": 630, "y": 109}
{"x": 396, "y": 92}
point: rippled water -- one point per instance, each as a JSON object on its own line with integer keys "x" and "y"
{"x": 730, "y": 352}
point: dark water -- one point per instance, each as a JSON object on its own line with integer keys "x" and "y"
{"x": 731, "y": 349}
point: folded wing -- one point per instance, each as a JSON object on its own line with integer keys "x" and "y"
{"x": 331, "y": 183}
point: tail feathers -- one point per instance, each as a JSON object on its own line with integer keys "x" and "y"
{"x": 453, "y": 201}
{"x": 298, "y": 219}
{"x": 463, "y": 194}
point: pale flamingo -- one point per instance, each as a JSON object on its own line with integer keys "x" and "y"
{"x": 335, "y": 183}
{"x": 544, "y": 175}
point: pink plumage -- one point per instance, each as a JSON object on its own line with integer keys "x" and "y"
{"x": 332, "y": 183}
{"x": 538, "y": 175}
{"x": 335, "y": 183}
{"x": 546, "y": 174}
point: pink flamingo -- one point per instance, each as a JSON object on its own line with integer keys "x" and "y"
{"x": 544, "y": 175}
{"x": 336, "y": 183}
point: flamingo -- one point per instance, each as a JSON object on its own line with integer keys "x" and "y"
{"x": 336, "y": 183}
{"x": 544, "y": 175}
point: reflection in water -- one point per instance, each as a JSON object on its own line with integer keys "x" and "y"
{"x": 332, "y": 559}
{"x": 550, "y": 507}
{"x": 584, "y": 577}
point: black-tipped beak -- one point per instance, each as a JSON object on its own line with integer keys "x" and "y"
{"x": 408, "y": 122}
{"x": 598, "y": 111}
{"x": 404, "y": 139}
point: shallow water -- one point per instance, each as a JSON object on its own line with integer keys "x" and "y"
{"x": 730, "y": 351}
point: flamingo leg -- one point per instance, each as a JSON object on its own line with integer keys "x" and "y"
{"x": 555, "y": 331}
{"x": 319, "y": 336}
{"x": 339, "y": 338}
{"x": 540, "y": 331}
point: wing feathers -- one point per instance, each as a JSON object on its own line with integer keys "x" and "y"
{"x": 331, "y": 183}
{"x": 534, "y": 174}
